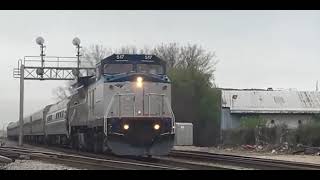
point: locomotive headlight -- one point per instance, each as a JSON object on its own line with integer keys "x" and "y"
{"x": 139, "y": 82}
{"x": 156, "y": 126}
{"x": 126, "y": 126}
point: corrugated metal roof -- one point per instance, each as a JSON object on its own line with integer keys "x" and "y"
{"x": 274, "y": 101}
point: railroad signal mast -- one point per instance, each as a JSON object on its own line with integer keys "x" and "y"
{"x": 50, "y": 68}
{"x": 76, "y": 42}
{"x": 40, "y": 41}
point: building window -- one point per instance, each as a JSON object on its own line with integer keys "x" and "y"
{"x": 299, "y": 122}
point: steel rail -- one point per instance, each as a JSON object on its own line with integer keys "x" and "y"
{"x": 91, "y": 162}
{"x": 244, "y": 161}
{"x": 154, "y": 161}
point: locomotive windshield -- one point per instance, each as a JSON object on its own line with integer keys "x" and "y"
{"x": 150, "y": 68}
{"x": 117, "y": 68}
{"x": 125, "y": 68}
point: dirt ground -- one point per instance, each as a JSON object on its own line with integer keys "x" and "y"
{"x": 34, "y": 165}
{"x": 31, "y": 164}
{"x": 315, "y": 159}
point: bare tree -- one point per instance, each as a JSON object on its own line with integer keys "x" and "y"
{"x": 169, "y": 52}
{"x": 60, "y": 93}
{"x": 146, "y": 50}
{"x": 187, "y": 57}
{"x": 195, "y": 57}
{"x": 95, "y": 53}
{"x": 127, "y": 50}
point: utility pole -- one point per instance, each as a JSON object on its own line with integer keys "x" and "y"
{"x": 21, "y": 105}
{"x": 32, "y": 72}
{"x": 3, "y": 134}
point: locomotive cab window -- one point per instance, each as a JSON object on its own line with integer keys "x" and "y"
{"x": 117, "y": 68}
{"x": 150, "y": 68}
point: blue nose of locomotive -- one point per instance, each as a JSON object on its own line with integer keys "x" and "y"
{"x": 139, "y": 131}
{"x": 140, "y": 136}
{"x": 132, "y": 76}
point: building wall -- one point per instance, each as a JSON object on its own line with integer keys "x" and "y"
{"x": 291, "y": 120}
{"x": 231, "y": 121}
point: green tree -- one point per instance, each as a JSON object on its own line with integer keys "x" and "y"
{"x": 194, "y": 97}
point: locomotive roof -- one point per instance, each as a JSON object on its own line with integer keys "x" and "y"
{"x": 132, "y": 58}
{"x": 13, "y": 125}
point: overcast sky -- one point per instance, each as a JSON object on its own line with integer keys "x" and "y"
{"x": 256, "y": 49}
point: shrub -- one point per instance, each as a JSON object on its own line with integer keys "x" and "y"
{"x": 252, "y": 121}
{"x": 239, "y": 136}
{"x": 309, "y": 134}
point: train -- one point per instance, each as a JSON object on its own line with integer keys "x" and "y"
{"x": 123, "y": 108}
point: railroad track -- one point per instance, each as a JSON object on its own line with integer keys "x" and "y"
{"x": 103, "y": 161}
{"x": 178, "y": 160}
{"x": 80, "y": 161}
{"x": 243, "y": 161}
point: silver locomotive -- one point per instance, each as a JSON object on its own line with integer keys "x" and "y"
{"x": 125, "y": 108}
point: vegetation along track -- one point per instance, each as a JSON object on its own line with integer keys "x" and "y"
{"x": 102, "y": 161}
{"x": 244, "y": 161}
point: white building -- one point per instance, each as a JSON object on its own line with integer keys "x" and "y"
{"x": 275, "y": 106}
